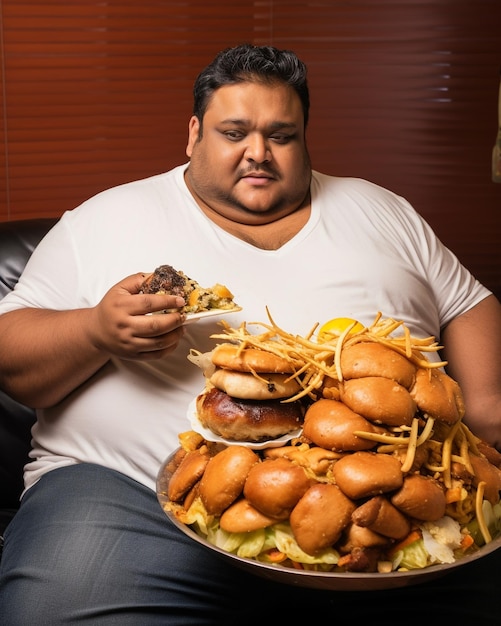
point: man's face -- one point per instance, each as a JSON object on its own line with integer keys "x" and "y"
{"x": 251, "y": 164}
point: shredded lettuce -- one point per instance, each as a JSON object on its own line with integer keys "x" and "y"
{"x": 258, "y": 543}
{"x": 286, "y": 543}
{"x": 440, "y": 542}
{"x": 413, "y": 556}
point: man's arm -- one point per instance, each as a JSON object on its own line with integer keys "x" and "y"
{"x": 45, "y": 354}
{"x": 472, "y": 347}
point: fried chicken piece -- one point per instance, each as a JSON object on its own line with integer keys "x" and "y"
{"x": 165, "y": 279}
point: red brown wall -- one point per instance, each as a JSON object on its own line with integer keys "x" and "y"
{"x": 404, "y": 93}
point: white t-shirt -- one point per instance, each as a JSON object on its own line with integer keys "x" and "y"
{"x": 364, "y": 250}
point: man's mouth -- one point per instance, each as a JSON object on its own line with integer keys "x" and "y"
{"x": 259, "y": 177}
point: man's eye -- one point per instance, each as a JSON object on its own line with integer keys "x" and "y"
{"x": 233, "y": 135}
{"x": 282, "y": 139}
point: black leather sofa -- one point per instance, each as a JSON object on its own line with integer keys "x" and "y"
{"x": 17, "y": 241}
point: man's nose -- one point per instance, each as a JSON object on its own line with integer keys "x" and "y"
{"x": 257, "y": 149}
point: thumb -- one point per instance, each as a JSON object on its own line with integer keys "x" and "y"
{"x": 133, "y": 283}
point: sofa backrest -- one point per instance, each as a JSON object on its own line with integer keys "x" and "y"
{"x": 17, "y": 241}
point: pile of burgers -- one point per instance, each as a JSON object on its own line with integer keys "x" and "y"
{"x": 375, "y": 455}
{"x": 245, "y": 395}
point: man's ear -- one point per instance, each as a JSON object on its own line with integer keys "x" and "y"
{"x": 193, "y": 132}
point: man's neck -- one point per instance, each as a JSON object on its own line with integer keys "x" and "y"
{"x": 270, "y": 236}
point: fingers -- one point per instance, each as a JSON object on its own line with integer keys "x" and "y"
{"x": 150, "y": 348}
{"x": 143, "y": 304}
{"x": 138, "y": 337}
{"x": 156, "y": 325}
{"x": 133, "y": 283}
{"x": 128, "y": 324}
{"x": 148, "y": 336}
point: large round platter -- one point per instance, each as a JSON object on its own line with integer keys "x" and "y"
{"x": 335, "y": 581}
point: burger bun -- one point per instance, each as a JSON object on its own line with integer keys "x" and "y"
{"x": 247, "y": 420}
{"x": 247, "y": 386}
{"x": 231, "y": 356}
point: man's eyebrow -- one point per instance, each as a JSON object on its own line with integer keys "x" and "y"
{"x": 245, "y": 122}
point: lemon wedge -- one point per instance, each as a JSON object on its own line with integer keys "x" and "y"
{"x": 337, "y": 326}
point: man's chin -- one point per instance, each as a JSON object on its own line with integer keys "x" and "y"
{"x": 256, "y": 201}
{"x": 257, "y": 214}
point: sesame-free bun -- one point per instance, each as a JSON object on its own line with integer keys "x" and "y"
{"x": 420, "y": 497}
{"x": 374, "y": 359}
{"x": 247, "y": 420}
{"x": 363, "y": 474}
{"x": 331, "y": 425}
{"x": 438, "y": 395}
{"x": 320, "y": 516}
{"x": 247, "y": 386}
{"x": 231, "y": 356}
{"x": 380, "y": 400}
{"x": 224, "y": 478}
{"x": 187, "y": 473}
{"x": 242, "y": 517}
{"x": 275, "y": 486}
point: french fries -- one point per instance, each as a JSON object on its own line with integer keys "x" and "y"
{"x": 313, "y": 361}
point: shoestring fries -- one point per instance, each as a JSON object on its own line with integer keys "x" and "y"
{"x": 314, "y": 360}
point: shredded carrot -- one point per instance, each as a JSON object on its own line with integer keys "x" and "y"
{"x": 466, "y": 542}
{"x": 344, "y": 560}
{"x": 296, "y": 565}
{"x": 413, "y": 536}
{"x": 276, "y": 556}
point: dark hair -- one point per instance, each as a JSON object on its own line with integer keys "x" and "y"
{"x": 251, "y": 63}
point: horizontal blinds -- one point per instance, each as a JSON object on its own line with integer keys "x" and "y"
{"x": 99, "y": 93}
{"x": 404, "y": 93}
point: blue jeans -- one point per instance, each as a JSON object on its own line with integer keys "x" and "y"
{"x": 90, "y": 546}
